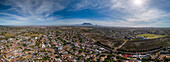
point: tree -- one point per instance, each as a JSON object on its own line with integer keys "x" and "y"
{"x": 107, "y": 60}
{"x": 24, "y": 45}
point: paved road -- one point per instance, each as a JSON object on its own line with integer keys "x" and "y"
{"x": 60, "y": 55}
{"x": 4, "y": 54}
{"x": 82, "y": 60}
{"x": 121, "y": 45}
{"x": 56, "y": 50}
{"x": 34, "y": 53}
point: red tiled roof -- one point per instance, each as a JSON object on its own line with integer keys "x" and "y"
{"x": 126, "y": 56}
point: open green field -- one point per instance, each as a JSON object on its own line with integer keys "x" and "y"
{"x": 9, "y": 35}
{"x": 152, "y": 36}
{"x": 30, "y": 34}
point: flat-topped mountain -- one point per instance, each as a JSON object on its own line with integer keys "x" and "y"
{"x": 87, "y": 24}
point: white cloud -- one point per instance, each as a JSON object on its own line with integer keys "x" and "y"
{"x": 117, "y": 23}
{"x": 128, "y": 9}
{"x": 148, "y": 15}
{"x": 34, "y": 10}
{"x": 91, "y": 4}
{"x": 135, "y": 12}
{"x": 42, "y": 10}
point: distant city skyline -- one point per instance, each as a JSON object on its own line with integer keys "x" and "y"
{"x": 124, "y": 13}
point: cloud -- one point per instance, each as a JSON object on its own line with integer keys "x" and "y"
{"x": 117, "y": 12}
{"x": 128, "y": 11}
{"x": 148, "y": 15}
{"x": 34, "y": 10}
{"x": 117, "y": 23}
{"x": 91, "y": 4}
{"x": 134, "y": 12}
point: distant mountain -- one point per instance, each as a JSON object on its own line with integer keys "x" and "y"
{"x": 84, "y": 24}
{"x": 87, "y": 24}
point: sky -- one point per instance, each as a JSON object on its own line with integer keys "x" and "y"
{"x": 124, "y": 13}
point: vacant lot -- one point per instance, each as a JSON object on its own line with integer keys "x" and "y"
{"x": 152, "y": 36}
{"x": 30, "y": 34}
{"x": 8, "y": 35}
{"x": 146, "y": 45}
{"x": 111, "y": 42}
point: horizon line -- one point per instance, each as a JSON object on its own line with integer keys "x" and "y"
{"x": 89, "y": 26}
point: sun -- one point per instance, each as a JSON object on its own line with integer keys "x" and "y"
{"x": 138, "y": 2}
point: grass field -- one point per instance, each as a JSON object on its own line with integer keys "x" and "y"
{"x": 8, "y": 35}
{"x": 28, "y": 34}
{"x": 152, "y": 36}
{"x": 28, "y": 57}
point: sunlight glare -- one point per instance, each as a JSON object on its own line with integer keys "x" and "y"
{"x": 138, "y": 2}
